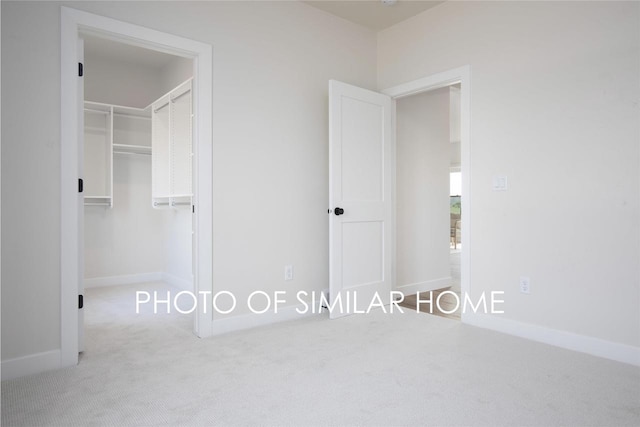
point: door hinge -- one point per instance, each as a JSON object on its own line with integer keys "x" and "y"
{"x": 193, "y": 208}
{"x": 80, "y": 69}
{"x": 80, "y": 185}
{"x": 80, "y": 301}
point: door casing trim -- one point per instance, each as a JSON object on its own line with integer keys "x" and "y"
{"x": 72, "y": 22}
{"x": 460, "y": 75}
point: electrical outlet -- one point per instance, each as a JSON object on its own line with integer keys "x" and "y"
{"x": 288, "y": 272}
{"x": 525, "y": 285}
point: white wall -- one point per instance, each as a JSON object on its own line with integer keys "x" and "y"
{"x": 121, "y": 83}
{"x": 454, "y": 127}
{"x": 554, "y": 106}
{"x": 454, "y": 113}
{"x": 422, "y": 190}
{"x": 129, "y": 238}
{"x": 175, "y": 72}
{"x": 272, "y": 63}
{"x": 30, "y": 224}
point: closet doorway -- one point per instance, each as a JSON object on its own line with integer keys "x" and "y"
{"x": 75, "y": 23}
{"x": 137, "y": 165}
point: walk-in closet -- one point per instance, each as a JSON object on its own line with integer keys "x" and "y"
{"x": 137, "y": 167}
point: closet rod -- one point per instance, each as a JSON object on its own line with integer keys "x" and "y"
{"x": 97, "y": 204}
{"x": 161, "y": 107}
{"x": 180, "y": 203}
{"x": 131, "y": 116}
{"x": 160, "y": 203}
{"x": 130, "y": 152}
{"x": 91, "y": 110}
{"x": 181, "y": 95}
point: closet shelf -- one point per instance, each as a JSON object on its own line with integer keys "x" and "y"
{"x": 131, "y": 149}
{"x": 118, "y": 110}
{"x": 173, "y": 201}
{"x": 106, "y": 201}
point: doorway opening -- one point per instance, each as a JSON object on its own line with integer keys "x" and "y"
{"x": 432, "y": 164}
{"x": 137, "y": 176}
{"x": 75, "y": 24}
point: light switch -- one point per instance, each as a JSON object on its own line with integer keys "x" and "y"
{"x": 500, "y": 183}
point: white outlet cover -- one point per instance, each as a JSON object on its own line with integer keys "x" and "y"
{"x": 288, "y": 272}
{"x": 525, "y": 285}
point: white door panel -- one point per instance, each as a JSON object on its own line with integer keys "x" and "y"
{"x": 360, "y": 183}
{"x": 362, "y": 151}
{"x": 361, "y": 253}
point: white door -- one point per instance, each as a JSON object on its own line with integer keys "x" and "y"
{"x": 360, "y": 212}
{"x": 81, "y": 197}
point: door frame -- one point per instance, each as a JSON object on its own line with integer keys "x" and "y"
{"x": 460, "y": 75}
{"x": 72, "y": 22}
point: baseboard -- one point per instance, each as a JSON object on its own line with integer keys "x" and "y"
{"x": 429, "y": 285}
{"x": 31, "y": 364}
{"x": 125, "y": 279}
{"x": 584, "y": 344}
{"x": 253, "y": 320}
{"x": 177, "y": 282}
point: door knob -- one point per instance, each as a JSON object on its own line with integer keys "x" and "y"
{"x": 338, "y": 211}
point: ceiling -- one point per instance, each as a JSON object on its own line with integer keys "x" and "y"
{"x": 374, "y": 14}
{"x": 121, "y": 52}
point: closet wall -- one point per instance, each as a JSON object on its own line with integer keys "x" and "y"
{"x": 176, "y": 72}
{"x": 133, "y": 241}
{"x": 113, "y": 81}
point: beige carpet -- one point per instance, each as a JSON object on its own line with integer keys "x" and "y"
{"x": 377, "y": 369}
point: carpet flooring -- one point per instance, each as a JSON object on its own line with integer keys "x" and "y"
{"x": 376, "y": 369}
